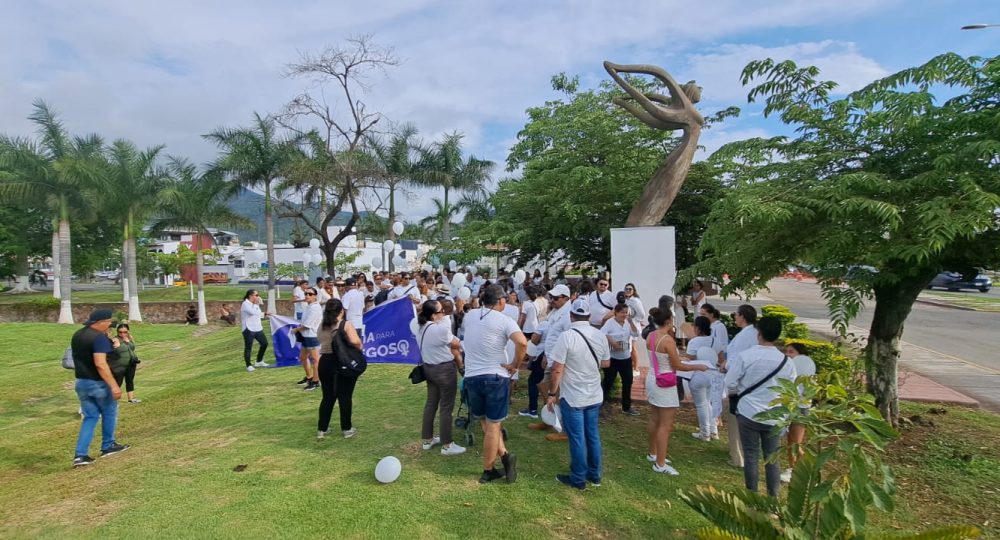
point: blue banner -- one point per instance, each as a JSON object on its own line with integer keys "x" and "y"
{"x": 389, "y": 333}
{"x": 286, "y": 349}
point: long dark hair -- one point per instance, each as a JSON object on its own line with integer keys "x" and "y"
{"x": 427, "y": 312}
{"x": 660, "y": 317}
{"x": 249, "y": 293}
{"x": 334, "y": 307}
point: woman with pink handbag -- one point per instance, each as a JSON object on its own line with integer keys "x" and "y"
{"x": 661, "y": 391}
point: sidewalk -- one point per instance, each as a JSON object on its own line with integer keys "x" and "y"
{"x": 912, "y": 385}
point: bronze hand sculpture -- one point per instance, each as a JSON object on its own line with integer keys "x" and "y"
{"x": 667, "y": 113}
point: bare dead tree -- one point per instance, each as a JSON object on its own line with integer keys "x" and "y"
{"x": 341, "y": 174}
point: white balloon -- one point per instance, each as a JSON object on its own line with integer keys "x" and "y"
{"x": 458, "y": 280}
{"x": 388, "y": 469}
{"x": 397, "y": 228}
{"x": 314, "y": 243}
{"x": 377, "y": 262}
{"x": 472, "y": 268}
{"x": 398, "y": 261}
{"x": 519, "y": 276}
{"x": 308, "y": 259}
{"x": 452, "y": 265}
{"x": 465, "y": 293}
{"x": 388, "y": 246}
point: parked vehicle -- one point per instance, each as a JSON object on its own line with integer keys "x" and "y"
{"x": 953, "y": 281}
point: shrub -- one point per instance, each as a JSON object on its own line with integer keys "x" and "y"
{"x": 784, "y": 314}
{"x": 795, "y": 331}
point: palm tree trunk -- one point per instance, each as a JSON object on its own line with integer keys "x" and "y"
{"x": 446, "y": 226}
{"x": 65, "y": 269}
{"x": 55, "y": 259}
{"x": 124, "y": 271}
{"x": 269, "y": 226}
{"x": 133, "y": 283}
{"x": 200, "y": 278}
{"x": 392, "y": 219}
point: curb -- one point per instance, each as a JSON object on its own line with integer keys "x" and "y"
{"x": 944, "y": 305}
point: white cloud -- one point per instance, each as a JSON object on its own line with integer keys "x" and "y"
{"x": 167, "y": 72}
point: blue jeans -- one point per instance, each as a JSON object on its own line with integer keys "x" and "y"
{"x": 580, "y": 425}
{"x": 96, "y": 402}
{"x": 488, "y": 397}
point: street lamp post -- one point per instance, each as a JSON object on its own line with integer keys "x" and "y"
{"x": 979, "y": 26}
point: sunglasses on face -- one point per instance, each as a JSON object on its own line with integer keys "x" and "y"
{"x": 310, "y": 294}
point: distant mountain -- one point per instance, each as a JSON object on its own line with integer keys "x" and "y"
{"x": 250, "y": 205}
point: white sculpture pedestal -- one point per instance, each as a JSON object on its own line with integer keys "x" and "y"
{"x": 645, "y": 257}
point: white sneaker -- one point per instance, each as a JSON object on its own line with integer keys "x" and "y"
{"x": 714, "y": 436}
{"x": 700, "y": 437}
{"x": 262, "y": 364}
{"x": 433, "y": 442}
{"x": 666, "y": 469}
{"x": 786, "y": 476}
{"x": 452, "y": 450}
{"x": 350, "y": 433}
{"x": 250, "y": 369}
{"x": 652, "y": 459}
{"x": 322, "y": 434}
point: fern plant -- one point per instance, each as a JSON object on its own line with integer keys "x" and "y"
{"x": 839, "y": 476}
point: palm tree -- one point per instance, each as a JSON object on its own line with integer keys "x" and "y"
{"x": 255, "y": 156}
{"x": 132, "y": 184}
{"x": 395, "y": 161}
{"x": 440, "y": 221}
{"x": 443, "y": 166}
{"x": 195, "y": 202}
{"x": 60, "y": 171}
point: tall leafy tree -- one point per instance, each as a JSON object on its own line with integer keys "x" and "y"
{"x": 877, "y": 192}
{"x": 443, "y": 166}
{"x": 60, "y": 171}
{"x": 255, "y": 157}
{"x": 131, "y": 185}
{"x": 24, "y": 233}
{"x": 195, "y": 202}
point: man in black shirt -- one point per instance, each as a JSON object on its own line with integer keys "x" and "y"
{"x": 96, "y": 387}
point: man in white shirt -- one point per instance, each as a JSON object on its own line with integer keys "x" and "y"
{"x": 559, "y": 322}
{"x": 354, "y": 304}
{"x": 299, "y": 298}
{"x": 405, "y": 288}
{"x": 487, "y": 376}
{"x": 602, "y": 304}
{"x": 745, "y": 317}
{"x": 578, "y": 356}
{"x": 757, "y": 370}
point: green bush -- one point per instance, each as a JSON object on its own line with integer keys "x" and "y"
{"x": 795, "y": 331}
{"x": 36, "y": 305}
{"x": 784, "y": 314}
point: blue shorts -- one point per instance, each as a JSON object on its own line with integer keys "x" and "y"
{"x": 489, "y": 396}
{"x": 310, "y": 342}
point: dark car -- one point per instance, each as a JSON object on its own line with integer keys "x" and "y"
{"x": 953, "y": 281}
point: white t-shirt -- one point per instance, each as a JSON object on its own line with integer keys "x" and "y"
{"x": 400, "y": 291}
{"x": 311, "y": 319}
{"x": 621, "y": 334}
{"x": 744, "y": 340}
{"x": 804, "y": 366}
{"x": 721, "y": 336}
{"x": 543, "y": 328}
{"x": 354, "y": 306}
{"x": 299, "y": 296}
{"x": 580, "y": 385}
{"x": 600, "y": 305}
{"x": 250, "y": 315}
{"x": 637, "y": 311}
{"x": 322, "y": 296}
{"x": 558, "y": 323}
{"x": 434, "y": 340}
{"x": 486, "y": 332}
{"x": 530, "y": 311}
{"x": 753, "y": 365}
{"x": 514, "y": 313}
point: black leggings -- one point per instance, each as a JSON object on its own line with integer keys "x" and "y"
{"x": 130, "y": 377}
{"x": 623, "y": 368}
{"x": 536, "y": 376}
{"x": 335, "y": 387}
{"x": 248, "y": 337}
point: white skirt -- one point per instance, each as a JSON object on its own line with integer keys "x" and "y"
{"x": 660, "y": 397}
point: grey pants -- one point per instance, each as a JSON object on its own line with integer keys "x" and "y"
{"x": 753, "y": 436}
{"x": 442, "y": 384}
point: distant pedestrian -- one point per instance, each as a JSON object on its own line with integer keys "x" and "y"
{"x": 336, "y": 385}
{"x": 191, "y": 315}
{"x": 746, "y": 319}
{"x": 96, "y": 387}
{"x": 124, "y": 350}
{"x": 253, "y": 328}
{"x": 312, "y": 317}
{"x": 441, "y": 358}
{"x": 804, "y": 367}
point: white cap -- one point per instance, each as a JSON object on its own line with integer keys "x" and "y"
{"x": 560, "y": 290}
{"x": 580, "y": 307}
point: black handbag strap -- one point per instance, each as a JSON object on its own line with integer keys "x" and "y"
{"x": 592, "y": 353}
{"x": 765, "y": 379}
{"x": 599, "y": 301}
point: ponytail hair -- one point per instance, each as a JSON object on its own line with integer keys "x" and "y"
{"x": 712, "y": 310}
{"x": 427, "y": 311}
{"x": 331, "y": 313}
{"x": 660, "y": 317}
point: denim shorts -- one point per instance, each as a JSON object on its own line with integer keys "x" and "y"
{"x": 489, "y": 396}
{"x": 310, "y": 342}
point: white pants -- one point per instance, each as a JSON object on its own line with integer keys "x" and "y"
{"x": 701, "y": 392}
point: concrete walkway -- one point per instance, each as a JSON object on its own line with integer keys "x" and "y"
{"x": 915, "y": 363}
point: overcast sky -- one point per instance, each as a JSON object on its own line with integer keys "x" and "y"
{"x": 168, "y": 72}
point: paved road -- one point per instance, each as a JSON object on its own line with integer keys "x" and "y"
{"x": 965, "y": 343}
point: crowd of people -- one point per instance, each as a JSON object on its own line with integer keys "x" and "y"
{"x": 572, "y": 339}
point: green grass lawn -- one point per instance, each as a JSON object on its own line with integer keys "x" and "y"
{"x": 203, "y": 415}
{"x": 231, "y": 293}
{"x": 976, "y": 301}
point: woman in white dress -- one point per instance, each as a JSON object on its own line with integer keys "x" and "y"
{"x": 664, "y": 358}
{"x": 701, "y": 382}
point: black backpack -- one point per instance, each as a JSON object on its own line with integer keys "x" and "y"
{"x": 382, "y": 296}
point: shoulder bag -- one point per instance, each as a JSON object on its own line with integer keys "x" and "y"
{"x": 663, "y": 380}
{"x": 734, "y": 399}
{"x": 417, "y": 373}
{"x": 592, "y": 353}
{"x": 350, "y": 359}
